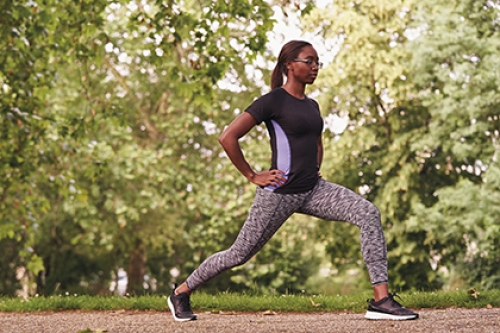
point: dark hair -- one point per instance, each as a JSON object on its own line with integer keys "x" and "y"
{"x": 289, "y": 51}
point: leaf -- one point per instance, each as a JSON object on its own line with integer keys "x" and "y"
{"x": 226, "y": 312}
{"x": 314, "y": 303}
{"x": 269, "y": 313}
{"x": 35, "y": 265}
{"x": 473, "y": 293}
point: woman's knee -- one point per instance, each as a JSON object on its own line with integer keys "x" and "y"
{"x": 368, "y": 214}
{"x": 373, "y": 210}
{"x": 235, "y": 259}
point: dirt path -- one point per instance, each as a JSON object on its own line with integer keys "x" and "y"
{"x": 446, "y": 320}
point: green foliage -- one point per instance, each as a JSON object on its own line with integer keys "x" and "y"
{"x": 9, "y": 284}
{"x": 418, "y": 82}
{"x": 127, "y": 163}
{"x": 109, "y": 158}
{"x": 237, "y": 302}
{"x": 369, "y": 83}
{"x": 457, "y": 77}
{"x": 35, "y": 38}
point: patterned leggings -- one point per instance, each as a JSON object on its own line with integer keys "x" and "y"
{"x": 270, "y": 210}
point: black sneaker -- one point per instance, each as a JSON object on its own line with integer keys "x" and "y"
{"x": 387, "y": 308}
{"x": 180, "y": 307}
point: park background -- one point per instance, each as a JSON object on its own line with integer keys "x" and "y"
{"x": 110, "y": 165}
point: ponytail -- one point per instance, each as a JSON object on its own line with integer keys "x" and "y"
{"x": 277, "y": 76}
{"x": 289, "y": 51}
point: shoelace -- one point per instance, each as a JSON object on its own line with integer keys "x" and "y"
{"x": 395, "y": 294}
{"x": 391, "y": 297}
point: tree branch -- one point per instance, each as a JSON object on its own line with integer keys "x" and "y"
{"x": 150, "y": 128}
{"x": 380, "y": 105}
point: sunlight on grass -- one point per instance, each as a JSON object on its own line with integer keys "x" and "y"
{"x": 251, "y": 303}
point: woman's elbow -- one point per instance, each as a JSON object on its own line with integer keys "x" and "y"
{"x": 224, "y": 138}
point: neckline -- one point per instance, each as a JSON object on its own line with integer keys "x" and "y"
{"x": 299, "y": 99}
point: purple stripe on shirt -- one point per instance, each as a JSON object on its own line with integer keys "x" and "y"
{"x": 283, "y": 153}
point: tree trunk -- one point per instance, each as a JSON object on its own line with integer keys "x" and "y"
{"x": 136, "y": 269}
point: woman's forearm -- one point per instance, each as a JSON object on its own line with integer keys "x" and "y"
{"x": 233, "y": 150}
{"x": 229, "y": 141}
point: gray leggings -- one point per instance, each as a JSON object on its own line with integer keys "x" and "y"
{"x": 270, "y": 210}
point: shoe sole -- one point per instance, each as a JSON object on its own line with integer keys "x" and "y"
{"x": 371, "y": 315}
{"x": 172, "y": 309}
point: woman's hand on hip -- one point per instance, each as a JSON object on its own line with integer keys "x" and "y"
{"x": 270, "y": 177}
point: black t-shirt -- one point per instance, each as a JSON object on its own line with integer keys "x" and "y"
{"x": 294, "y": 126}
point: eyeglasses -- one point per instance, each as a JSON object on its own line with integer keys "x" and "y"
{"x": 310, "y": 62}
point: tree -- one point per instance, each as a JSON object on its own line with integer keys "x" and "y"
{"x": 421, "y": 109}
{"x": 34, "y": 39}
{"x": 370, "y": 83}
{"x": 456, "y": 72}
{"x": 123, "y": 174}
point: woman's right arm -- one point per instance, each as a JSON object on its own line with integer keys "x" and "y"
{"x": 229, "y": 141}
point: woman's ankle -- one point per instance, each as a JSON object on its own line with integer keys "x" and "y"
{"x": 183, "y": 288}
{"x": 380, "y": 291}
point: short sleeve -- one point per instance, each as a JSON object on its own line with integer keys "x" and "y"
{"x": 261, "y": 108}
{"x": 316, "y": 105}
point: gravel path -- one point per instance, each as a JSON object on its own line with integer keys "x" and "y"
{"x": 446, "y": 320}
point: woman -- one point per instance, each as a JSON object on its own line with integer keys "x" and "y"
{"x": 293, "y": 184}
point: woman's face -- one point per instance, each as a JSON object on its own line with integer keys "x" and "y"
{"x": 304, "y": 68}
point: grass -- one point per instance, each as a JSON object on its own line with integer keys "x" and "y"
{"x": 238, "y": 302}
